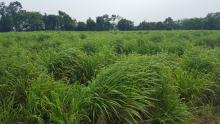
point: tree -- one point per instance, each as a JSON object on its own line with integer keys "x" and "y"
{"x": 29, "y": 21}
{"x": 81, "y": 26}
{"x": 151, "y": 26}
{"x": 2, "y": 9}
{"x": 114, "y": 20}
{"x": 14, "y": 18}
{"x": 8, "y": 15}
{"x": 169, "y": 23}
{"x": 194, "y": 23}
{"x": 103, "y": 23}
{"x": 125, "y": 24}
{"x": 212, "y": 21}
{"x": 91, "y": 25}
{"x": 6, "y": 23}
{"x": 52, "y": 22}
{"x": 14, "y": 7}
{"x": 66, "y": 22}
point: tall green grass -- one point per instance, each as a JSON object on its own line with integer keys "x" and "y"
{"x": 167, "y": 77}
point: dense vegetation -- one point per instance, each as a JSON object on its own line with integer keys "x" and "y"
{"x": 167, "y": 77}
{"x": 14, "y": 18}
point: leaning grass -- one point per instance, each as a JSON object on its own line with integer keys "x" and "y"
{"x": 108, "y": 77}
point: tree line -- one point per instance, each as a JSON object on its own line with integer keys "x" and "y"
{"x": 14, "y": 18}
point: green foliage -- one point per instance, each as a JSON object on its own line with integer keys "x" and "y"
{"x": 141, "y": 83}
{"x": 108, "y": 77}
{"x": 192, "y": 86}
{"x": 89, "y": 48}
{"x": 195, "y": 62}
{"x": 55, "y": 102}
{"x": 16, "y": 72}
{"x": 125, "y": 24}
{"x": 176, "y": 49}
{"x": 14, "y": 18}
{"x": 7, "y": 111}
{"x": 120, "y": 48}
{"x": 82, "y": 36}
{"x": 210, "y": 41}
{"x": 156, "y": 37}
{"x": 71, "y": 66}
{"x": 148, "y": 47}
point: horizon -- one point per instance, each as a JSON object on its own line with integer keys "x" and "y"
{"x": 150, "y": 11}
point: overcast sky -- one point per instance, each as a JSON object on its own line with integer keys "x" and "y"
{"x": 136, "y": 10}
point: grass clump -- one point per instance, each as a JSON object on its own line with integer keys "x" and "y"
{"x": 197, "y": 63}
{"x": 176, "y": 49}
{"x": 89, "y": 48}
{"x": 119, "y": 47}
{"x": 55, "y": 102}
{"x": 16, "y": 71}
{"x": 71, "y": 66}
{"x": 211, "y": 41}
{"x": 135, "y": 90}
{"x": 147, "y": 47}
{"x": 117, "y": 77}
{"x": 82, "y": 36}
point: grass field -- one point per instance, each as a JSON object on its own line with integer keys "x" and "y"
{"x": 154, "y": 77}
